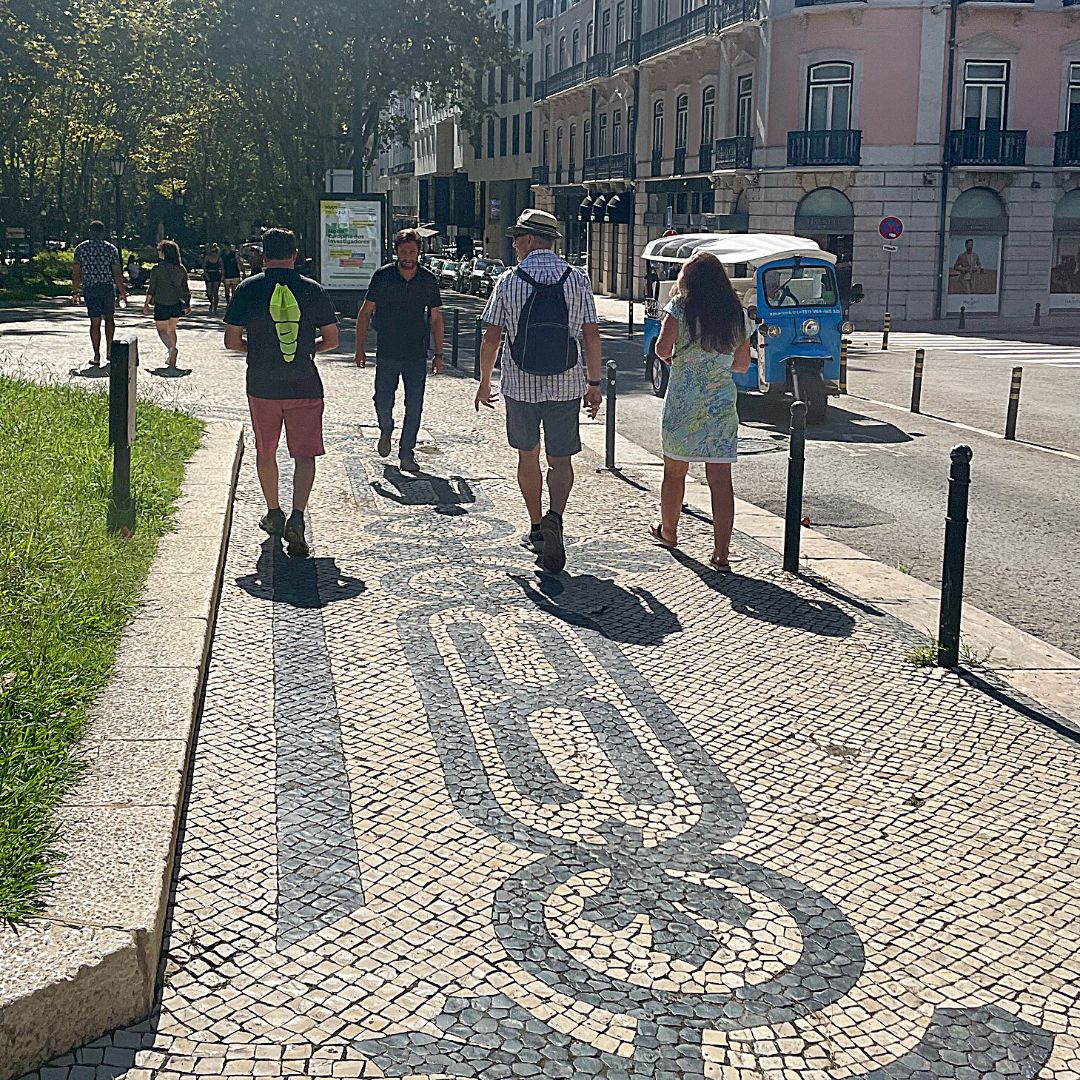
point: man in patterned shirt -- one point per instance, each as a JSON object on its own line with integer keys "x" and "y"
{"x": 550, "y": 401}
{"x": 96, "y": 276}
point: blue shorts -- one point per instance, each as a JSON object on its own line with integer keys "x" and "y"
{"x": 100, "y": 300}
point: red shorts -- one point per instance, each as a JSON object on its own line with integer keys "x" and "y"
{"x": 303, "y": 425}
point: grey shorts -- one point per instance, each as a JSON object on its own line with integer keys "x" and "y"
{"x": 559, "y": 419}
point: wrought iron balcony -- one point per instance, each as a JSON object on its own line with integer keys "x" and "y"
{"x": 704, "y": 157}
{"x": 986, "y": 148}
{"x": 598, "y": 65}
{"x": 558, "y": 173}
{"x": 564, "y": 80}
{"x": 624, "y": 54}
{"x": 840, "y": 146}
{"x": 541, "y": 174}
{"x": 606, "y": 167}
{"x": 1067, "y": 148}
{"x": 823, "y": 3}
{"x": 403, "y": 168}
{"x": 571, "y": 169}
{"x": 734, "y": 153}
{"x": 539, "y": 90}
{"x": 545, "y": 9}
{"x": 657, "y": 163}
{"x": 709, "y": 19}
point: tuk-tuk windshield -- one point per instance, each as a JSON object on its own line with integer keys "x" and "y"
{"x": 800, "y": 286}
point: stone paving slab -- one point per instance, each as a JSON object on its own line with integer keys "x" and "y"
{"x": 451, "y": 817}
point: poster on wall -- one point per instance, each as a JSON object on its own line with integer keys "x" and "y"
{"x": 352, "y": 238}
{"x": 974, "y": 273}
{"x": 1065, "y": 274}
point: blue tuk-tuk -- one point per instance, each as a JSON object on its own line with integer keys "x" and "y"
{"x": 789, "y": 289}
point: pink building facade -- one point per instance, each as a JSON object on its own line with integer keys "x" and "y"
{"x": 821, "y": 119}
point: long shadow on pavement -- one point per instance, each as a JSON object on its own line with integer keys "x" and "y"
{"x": 300, "y": 583}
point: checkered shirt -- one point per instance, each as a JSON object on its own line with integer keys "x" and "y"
{"x": 96, "y": 258}
{"x": 504, "y": 308}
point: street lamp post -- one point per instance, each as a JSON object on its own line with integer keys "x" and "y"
{"x": 118, "y": 164}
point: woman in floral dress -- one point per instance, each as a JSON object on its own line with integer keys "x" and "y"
{"x": 704, "y": 337}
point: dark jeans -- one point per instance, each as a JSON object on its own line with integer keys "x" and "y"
{"x": 413, "y": 373}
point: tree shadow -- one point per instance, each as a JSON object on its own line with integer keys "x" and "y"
{"x": 631, "y": 616}
{"x": 299, "y": 583}
{"x": 767, "y": 602}
{"x": 447, "y": 494}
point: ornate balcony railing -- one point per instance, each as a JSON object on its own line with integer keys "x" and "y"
{"x": 541, "y": 174}
{"x": 734, "y": 153}
{"x": 624, "y": 54}
{"x": 539, "y": 89}
{"x": 559, "y": 173}
{"x": 571, "y": 170}
{"x": 1067, "y": 148}
{"x": 598, "y": 65}
{"x": 704, "y": 157}
{"x": 564, "y": 80}
{"x": 545, "y": 9}
{"x": 840, "y": 146}
{"x": 679, "y": 165}
{"x": 986, "y": 148}
{"x": 709, "y": 19}
{"x": 606, "y": 167}
{"x": 657, "y": 163}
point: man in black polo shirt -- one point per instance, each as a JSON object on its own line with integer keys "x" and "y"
{"x": 399, "y": 299}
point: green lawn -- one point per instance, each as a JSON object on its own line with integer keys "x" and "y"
{"x": 67, "y": 588}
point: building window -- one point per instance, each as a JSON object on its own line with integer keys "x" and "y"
{"x": 1072, "y": 100}
{"x": 986, "y": 86}
{"x": 573, "y": 145}
{"x": 517, "y": 83}
{"x": 601, "y": 135}
{"x": 616, "y": 131}
{"x": 530, "y": 18}
{"x": 1065, "y": 270}
{"x": 504, "y": 82}
{"x": 661, "y": 12}
{"x": 515, "y": 135}
{"x": 682, "y": 120}
{"x": 589, "y": 38}
{"x": 502, "y": 136}
{"x": 708, "y": 115}
{"x": 558, "y": 148}
{"x": 491, "y": 87}
{"x": 562, "y": 52}
{"x": 529, "y": 75}
{"x": 744, "y": 107}
{"x": 562, "y": 6}
{"x": 685, "y": 6}
{"x": 828, "y": 97}
{"x": 586, "y": 137}
{"x": 978, "y": 225}
{"x": 546, "y": 73}
{"x": 545, "y": 144}
{"x": 517, "y": 25}
{"x": 575, "y": 47}
{"x": 528, "y": 133}
{"x": 491, "y": 139}
{"x": 658, "y": 129}
{"x": 605, "y": 31}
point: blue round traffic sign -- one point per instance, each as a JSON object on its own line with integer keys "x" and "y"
{"x": 890, "y": 228}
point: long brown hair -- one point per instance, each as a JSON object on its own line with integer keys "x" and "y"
{"x": 713, "y": 313}
{"x": 169, "y": 250}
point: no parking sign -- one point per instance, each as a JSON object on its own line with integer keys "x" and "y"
{"x": 890, "y": 228}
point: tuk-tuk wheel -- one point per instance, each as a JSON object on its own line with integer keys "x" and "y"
{"x": 658, "y": 375}
{"x": 810, "y": 387}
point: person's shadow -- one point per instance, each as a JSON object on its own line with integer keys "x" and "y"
{"x": 90, "y": 372}
{"x": 170, "y": 372}
{"x": 631, "y": 616}
{"x": 447, "y": 494}
{"x": 762, "y": 600}
{"x": 300, "y": 583}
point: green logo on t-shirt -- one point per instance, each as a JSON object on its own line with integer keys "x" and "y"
{"x": 285, "y": 313}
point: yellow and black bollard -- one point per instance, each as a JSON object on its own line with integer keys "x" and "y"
{"x": 1014, "y": 403}
{"x": 916, "y": 381}
{"x": 843, "y": 365}
{"x": 886, "y": 326}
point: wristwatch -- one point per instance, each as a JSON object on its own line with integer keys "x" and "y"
{"x": 593, "y": 382}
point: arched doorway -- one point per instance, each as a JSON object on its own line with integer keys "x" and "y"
{"x": 978, "y": 225}
{"x": 826, "y": 216}
{"x": 1065, "y": 259}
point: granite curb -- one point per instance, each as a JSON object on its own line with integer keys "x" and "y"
{"x": 1039, "y": 673}
{"x": 89, "y": 964}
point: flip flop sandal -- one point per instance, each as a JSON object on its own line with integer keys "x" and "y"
{"x": 723, "y": 567}
{"x": 657, "y": 533}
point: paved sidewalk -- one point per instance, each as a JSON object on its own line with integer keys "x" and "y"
{"x": 452, "y": 818}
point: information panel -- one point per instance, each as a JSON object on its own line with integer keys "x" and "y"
{"x": 352, "y": 238}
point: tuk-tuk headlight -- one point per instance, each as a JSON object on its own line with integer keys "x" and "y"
{"x": 772, "y": 331}
{"x": 811, "y": 328}
{"x": 847, "y": 328}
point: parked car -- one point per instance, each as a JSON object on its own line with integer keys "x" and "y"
{"x": 447, "y": 274}
{"x": 479, "y": 268}
{"x": 491, "y": 273}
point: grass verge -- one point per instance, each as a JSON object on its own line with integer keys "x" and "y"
{"x": 67, "y": 588}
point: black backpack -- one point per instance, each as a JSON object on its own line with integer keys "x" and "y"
{"x": 543, "y": 344}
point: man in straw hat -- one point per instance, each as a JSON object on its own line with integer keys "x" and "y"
{"x": 543, "y": 316}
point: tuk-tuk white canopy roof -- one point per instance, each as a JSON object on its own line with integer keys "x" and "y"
{"x": 733, "y": 248}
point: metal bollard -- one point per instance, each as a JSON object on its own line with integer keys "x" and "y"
{"x": 886, "y": 326}
{"x": 1038, "y": 315}
{"x": 916, "y": 381}
{"x": 963, "y": 313}
{"x": 609, "y": 417}
{"x": 123, "y": 369}
{"x": 952, "y": 570}
{"x": 843, "y": 364}
{"x": 1014, "y": 403}
{"x": 630, "y": 316}
{"x": 455, "y": 326}
{"x": 477, "y": 341}
{"x": 796, "y": 464}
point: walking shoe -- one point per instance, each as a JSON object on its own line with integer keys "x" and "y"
{"x": 273, "y": 522}
{"x": 533, "y": 540}
{"x": 384, "y": 445}
{"x": 408, "y": 464}
{"x": 554, "y": 556}
{"x": 294, "y": 536}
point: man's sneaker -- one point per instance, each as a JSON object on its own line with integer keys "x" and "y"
{"x": 554, "y": 556}
{"x": 384, "y": 445}
{"x": 273, "y": 522}
{"x": 533, "y": 540}
{"x": 408, "y": 464}
{"x": 294, "y": 536}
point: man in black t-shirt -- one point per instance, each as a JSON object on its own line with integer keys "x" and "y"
{"x": 399, "y": 299}
{"x": 281, "y": 320}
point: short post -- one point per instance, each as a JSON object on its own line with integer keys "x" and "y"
{"x": 916, "y": 381}
{"x": 455, "y": 326}
{"x": 793, "y": 510}
{"x": 952, "y": 570}
{"x": 477, "y": 342}
{"x": 963, "y": 313}
{"x": 1014, "y": 403}
{"x": 843, "y": 364}
{"x": 886, "y": 326}
{"x": 1038, "y": 315}
{"x": 630, "y": 315}
{"x": 609, "y": 417}
{"x": 123, "y": 368}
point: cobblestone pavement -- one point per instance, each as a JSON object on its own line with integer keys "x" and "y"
{"x": 452, "y": 818}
